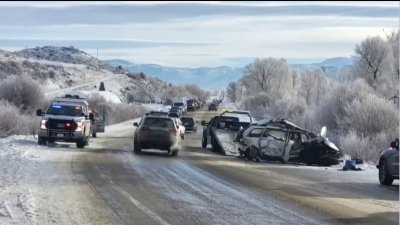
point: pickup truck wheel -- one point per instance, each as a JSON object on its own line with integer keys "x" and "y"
{"x": 215, "y": 145}
{"x": 385, "y": 177}
{"x": 41, "y": 141}
{"x": 204, "y": 142}
{"x": 80, "y": 144}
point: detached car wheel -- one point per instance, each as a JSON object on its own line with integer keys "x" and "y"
{"x": 385, "y": 177}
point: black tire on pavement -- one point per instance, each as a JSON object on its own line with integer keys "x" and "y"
{"x": 204, "y": 142}
{"x": 385, "y": 177}
{"x": 136, "y": 148}
{"x": 214, "y": 145}
{"x": 80, "y": 144}
{"x": 174, "y": 152}
{"x": 51, "y": 141}
{"x": 94, "y": 135}
{"x": 41, "y": 141}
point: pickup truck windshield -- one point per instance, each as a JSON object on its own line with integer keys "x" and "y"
{"x": 65, "y": 110}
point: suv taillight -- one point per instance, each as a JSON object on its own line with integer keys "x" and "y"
{"x": 145, "y": 129}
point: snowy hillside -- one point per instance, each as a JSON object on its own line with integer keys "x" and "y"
{"x": 61, "y": 70}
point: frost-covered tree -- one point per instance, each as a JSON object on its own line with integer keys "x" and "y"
{"x": 371, "y": 58}
{"x": 269, "y": 75}
{"x": 23, "y": 92}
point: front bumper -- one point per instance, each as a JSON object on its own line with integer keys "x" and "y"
{"x": 62, "y": 135}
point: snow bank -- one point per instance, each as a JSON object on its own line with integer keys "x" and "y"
{"x": 109, "y": 96}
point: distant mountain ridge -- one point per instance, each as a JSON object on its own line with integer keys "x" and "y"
{"x": 216, "y": 77}
{"x": 205, "y": 77}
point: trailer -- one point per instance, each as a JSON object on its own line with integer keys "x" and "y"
{"x": 221, "y": 131}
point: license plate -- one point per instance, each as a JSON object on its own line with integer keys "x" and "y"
{"x": 60, "y": 135}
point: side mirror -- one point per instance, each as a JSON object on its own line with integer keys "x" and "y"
{"x": 39, "y": 112}
{"x": 91, "y": 116}
{"x": 203, "y": 122}
{"x": 135, "y": 124}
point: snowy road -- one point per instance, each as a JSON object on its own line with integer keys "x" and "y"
{"x": 107, "y": 184}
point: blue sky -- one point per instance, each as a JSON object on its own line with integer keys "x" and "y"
{"x": 195, "y": 34}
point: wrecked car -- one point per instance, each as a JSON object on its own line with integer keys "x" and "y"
{"x": 286, "y": 142}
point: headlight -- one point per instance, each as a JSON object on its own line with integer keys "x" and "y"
{"x": 43, "y": 124}
{"x": 78, "y": 126}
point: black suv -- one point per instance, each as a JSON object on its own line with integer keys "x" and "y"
{"x": 388, "y": 164}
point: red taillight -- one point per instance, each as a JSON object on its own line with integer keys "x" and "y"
{"x": 145, "y": 129}
{"x": 172, "y": 130}
{"x": 46, "y": 124}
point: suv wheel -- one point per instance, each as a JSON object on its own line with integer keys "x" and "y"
{"x": 174, "y": 152}
{"x": 136, "y": 147}
{"x": 385, "y": 177}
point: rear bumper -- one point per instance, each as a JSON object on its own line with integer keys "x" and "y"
{"x": 61, "y": 135}
{"x": 158, "y": 143}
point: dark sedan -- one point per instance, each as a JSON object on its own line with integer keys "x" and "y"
{"x": 189, "y": 123}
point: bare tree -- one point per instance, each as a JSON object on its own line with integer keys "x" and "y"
{"x": 307, "y": 85}
{"x": 370, "y": 57}
{"x": 270, "y": 76}
{"x": 231, "y": 91}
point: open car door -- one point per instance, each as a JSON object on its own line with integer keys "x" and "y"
{"x": 100, "y": 123}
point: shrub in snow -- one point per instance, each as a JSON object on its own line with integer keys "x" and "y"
{"x": 121, "y": 112}
{"x": 24, "y": 93}
{"x": 366, "y": 148}
{"x": 372, "y": 115}
{"x": 12, "y": 122}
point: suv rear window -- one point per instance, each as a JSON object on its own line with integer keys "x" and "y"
{"x": 158, "y": 122}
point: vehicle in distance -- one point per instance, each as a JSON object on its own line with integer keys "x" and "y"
{"x": 284, "y": 141}
{"x": 388, "y": 164}
{"x": 189, "y": 123}
{"x": 68, "y": 120}
{"x": 157, "y": 132}
{"x": 212, "y": 107}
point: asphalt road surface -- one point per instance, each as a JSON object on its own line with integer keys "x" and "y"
{"x": 106, "y": 183}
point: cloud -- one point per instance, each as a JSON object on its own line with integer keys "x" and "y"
{"x": 145, "y": 13}
{"x": 84, "y": 44}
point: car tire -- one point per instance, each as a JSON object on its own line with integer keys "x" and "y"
{"x": 204, "y": 142}
{"x": 385, "y": 177}
{"x": 41, "y": 141}
{"x": 51, "y": 141}
{"x": 174, "y": 152}
{"x": 214, "y": 145}
{"x": 80, "y": 144}
{"x": 136, "y": 148}
{"x": 94, "y": 135}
